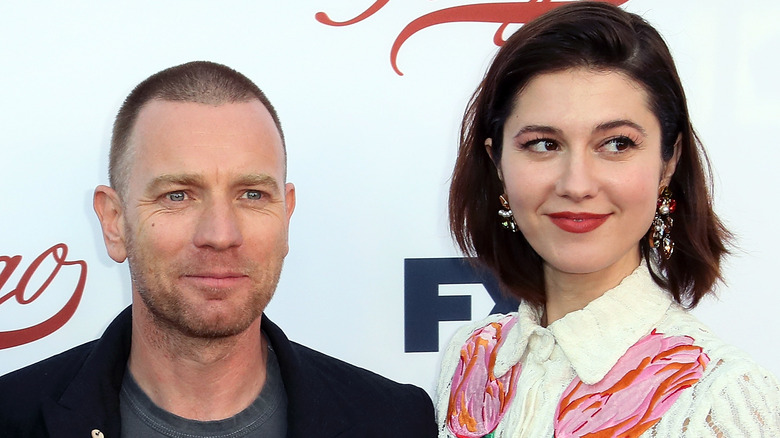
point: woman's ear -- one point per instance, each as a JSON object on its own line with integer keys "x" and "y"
{"x": 489, "y": 150}
{"x": 671, "y": 165}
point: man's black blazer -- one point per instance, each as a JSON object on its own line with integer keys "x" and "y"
{"x": 76, "y": 393}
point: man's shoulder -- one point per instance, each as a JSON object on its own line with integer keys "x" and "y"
{"x": 47, "y": 378}
{"x": 335, "y": 371}
{"x": 305, "y": 366}
{"x": 373, "y": 401}
{"x": 24, "y": 392}
{"x": 328, "y": 394}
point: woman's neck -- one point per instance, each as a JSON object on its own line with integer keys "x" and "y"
{"x": 568, "y": 292}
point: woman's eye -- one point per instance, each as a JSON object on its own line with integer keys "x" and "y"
{"x": 176, "y": 196}
{"x": 253, "y": 194}
{"x": 540, "y": 145}
{"x": 618, "y": 144}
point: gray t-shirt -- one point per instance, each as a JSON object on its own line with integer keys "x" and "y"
{"x": 265, "y": 417}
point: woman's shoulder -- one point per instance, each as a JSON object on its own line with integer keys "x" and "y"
{"x": 735, "y": 396}
{"x": 724, "y": 358}
{"x": 680, "y": 322}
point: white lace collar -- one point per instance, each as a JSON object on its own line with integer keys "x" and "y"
{"x": 595, "y": 337}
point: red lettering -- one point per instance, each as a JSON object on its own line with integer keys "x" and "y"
{"x": 324, "y": 19}
{"x": 58, "y": 253}
{"x": 10, "y": 265}
{"x": 502, "y": 14}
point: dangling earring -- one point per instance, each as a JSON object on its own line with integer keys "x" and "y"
{"x": 508, "y": 221}
{"x": 661, "y": 237}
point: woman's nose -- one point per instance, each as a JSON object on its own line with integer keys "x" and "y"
{"x": 578, "y": 176}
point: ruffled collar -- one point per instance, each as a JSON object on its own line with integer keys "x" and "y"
{"x": 595, "y": 337}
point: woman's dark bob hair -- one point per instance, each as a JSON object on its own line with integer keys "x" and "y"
{"x": 602, "y": 37}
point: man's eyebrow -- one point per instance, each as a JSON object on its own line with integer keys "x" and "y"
{"x": 258, "y": 179}
{"x": 606, "y": 126}
{"x": 184, "y": 179}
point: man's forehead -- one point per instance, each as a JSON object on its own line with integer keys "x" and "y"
{"x": 168, "y": 134}
{"x": 158, "y": 114}
{"x": 252, "y": 109}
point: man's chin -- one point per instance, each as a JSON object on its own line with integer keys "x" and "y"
{"x": 209, "y": 328}
{"x": 207, "y": 315}
{"x": 211, "y": 332}
{"x": 207, "y": 323}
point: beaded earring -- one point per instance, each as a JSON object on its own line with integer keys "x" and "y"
{"x": 661, "y": 237}
{"x": 507, "y": 220}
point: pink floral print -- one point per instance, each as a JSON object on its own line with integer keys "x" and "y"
{"x": 479, "y": 399}
{"x": 636, "y": 392}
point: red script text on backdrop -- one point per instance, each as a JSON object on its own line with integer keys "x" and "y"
{"x": 503, "y": 14}
{"x": 58, "y": 254}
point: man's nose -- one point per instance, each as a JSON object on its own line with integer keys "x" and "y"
{"x": 578, "y": 176}
{"x": 218, "y": 226}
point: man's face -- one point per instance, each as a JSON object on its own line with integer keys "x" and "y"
{"x": 206, "y": 215}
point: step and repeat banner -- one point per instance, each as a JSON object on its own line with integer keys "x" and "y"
{"x": 370, "y": 94}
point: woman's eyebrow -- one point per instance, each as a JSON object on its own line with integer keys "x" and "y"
{"x": 542, "y": 129}
{"x": 612, "y": 124}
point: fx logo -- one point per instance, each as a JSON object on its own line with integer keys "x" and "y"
{"x": 424, "y": 307}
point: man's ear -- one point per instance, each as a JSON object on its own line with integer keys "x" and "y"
{"x": 671, "y": 165}
{"x": 489, "y": 150}
{"x": 289, "y": 199}
{"x": 109, "y": 211}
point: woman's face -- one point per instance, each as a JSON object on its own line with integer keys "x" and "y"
{"x": 581, "y": 166}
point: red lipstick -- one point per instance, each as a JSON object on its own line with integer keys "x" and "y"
{"x": 577, "y": 222}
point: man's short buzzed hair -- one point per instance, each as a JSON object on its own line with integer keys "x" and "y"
{"x": 202, "y": 82}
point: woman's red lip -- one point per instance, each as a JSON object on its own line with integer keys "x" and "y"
{"x": 577, "y": 222}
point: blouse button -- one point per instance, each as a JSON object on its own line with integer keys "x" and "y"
{"x": 541, "y": 344}
{"x": 97, "y": 433}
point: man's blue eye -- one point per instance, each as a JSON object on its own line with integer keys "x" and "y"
{"x": 176, "y": 196}
{"x": 253, "y": 194}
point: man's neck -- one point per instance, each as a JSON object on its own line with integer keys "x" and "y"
{"x": 198, "y": 379}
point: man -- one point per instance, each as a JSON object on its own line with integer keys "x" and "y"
{"x": 199, "y": 207}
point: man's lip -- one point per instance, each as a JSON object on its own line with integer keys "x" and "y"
{"x": 216, "y": 275}
{"x": 215, "y": 280}
{"x": 577, "y": 222}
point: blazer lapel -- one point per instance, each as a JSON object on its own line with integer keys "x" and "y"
{"x": 91, "y": 400}
{"x": 311, "y": 411}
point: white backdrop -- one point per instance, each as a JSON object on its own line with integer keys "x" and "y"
{"x": 370, "y": 153}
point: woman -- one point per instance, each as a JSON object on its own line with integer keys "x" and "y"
{"x": 579, "y": 136}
